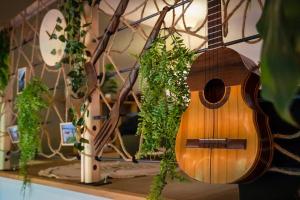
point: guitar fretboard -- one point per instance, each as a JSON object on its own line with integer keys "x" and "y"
{"x": 215, "y": 36}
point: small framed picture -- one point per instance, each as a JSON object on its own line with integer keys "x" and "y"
{"x": 13, "y": 134}
{"x": 21, "y": 80}
{"x": 68, "y": 134}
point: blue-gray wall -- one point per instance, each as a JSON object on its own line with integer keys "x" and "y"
{"x": 11, "y": 190}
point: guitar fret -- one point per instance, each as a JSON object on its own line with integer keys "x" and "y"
{"x": 216, "y": 45}
{"x": 214, "y": 2}
{"x": 220, "y": 36}
{"x": 214, "y": 26}
{"x": 214, "y": 6}
{"x": 215, "y": 32}
{"x": 213, "y": 13}
{"x": 214, "y": 19}
{"x": 219, "y": 42}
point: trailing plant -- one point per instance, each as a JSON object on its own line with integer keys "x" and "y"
{"x": 110, "y": 85}
{"x": 79, "y": 122}
{"x": 4, "y": 56}
{"x": 75, "y": 55}
{"x": 29, "y": 105}
{"x": 165, "y": 96}
{"x": 73, "y": 35}
{"x": 280, "y": 56}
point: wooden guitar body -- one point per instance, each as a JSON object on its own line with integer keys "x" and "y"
{"x": 224, "y": 136}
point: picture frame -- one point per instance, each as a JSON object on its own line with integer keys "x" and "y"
{"x": 68, "y": 134}
{"x": 21, "y": 81}
{"x": 13, "y": 133}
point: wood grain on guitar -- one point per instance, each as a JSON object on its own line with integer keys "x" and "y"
{"x": 224, "y": 136}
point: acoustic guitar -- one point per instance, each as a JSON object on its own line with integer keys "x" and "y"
{"x": 224, "y": 136}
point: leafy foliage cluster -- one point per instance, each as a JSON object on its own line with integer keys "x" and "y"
{"x": 4, "y": 56}
{"x": 29, "y": 105}
{"x": 165, "y": 97}
{"x": 73, "y": 35}
{"x": 75, "y": 55}
{"x": 79, "y": 122}
{"x": 280, "y": 57}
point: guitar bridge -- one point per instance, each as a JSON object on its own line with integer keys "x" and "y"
{"x": 217, "y": 143}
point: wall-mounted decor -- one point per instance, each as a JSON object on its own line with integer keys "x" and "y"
{"x": 51, "y": 47}
{"x": 21, "y": 83}
{"x": 13, "y": 133}
{"x": 68, "y": 134}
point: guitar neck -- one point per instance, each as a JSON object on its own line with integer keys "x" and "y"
{"x": 214, "y": 24}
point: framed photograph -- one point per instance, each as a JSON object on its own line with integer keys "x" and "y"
{"x": 13, "y": 134}
{"x": 68, "y": 134}
{"x": 21, "y": 80}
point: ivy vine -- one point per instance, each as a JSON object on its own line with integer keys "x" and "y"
{"x": 4, "y": 56}
{"x": 165, "y": 96}
{"x": 76, "y": 54}
{"x": 73, "y": 35}
{"x": 29, "y": 105}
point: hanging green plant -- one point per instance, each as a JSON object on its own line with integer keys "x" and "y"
{"x": 73, "y": 35}
{"x": 75, "y": 55}
{"x": 79, "y": 123}
{"x": 165, "y": 96}
{"x": 29, "y": 105}
{"x": 280, "y": 56}
{"x": 4, "y": 56}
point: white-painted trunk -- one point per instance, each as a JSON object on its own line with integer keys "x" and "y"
{"x": 90, "y": 168}
{"x": 5, "y": 143}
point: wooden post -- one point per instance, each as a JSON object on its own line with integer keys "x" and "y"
{"x": 90, "y": 168}
{"x": 5, "y": 143}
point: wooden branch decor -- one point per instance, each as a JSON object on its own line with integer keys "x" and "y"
{"x": 109, "y": 126}
{"x": 113, "y": 25}
{"x": 89, "y": 166}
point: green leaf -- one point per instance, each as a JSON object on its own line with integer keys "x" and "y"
{"x": 57, "y": 65}
{"x": 62, "y": 38}
{"x": 53, "y": 36}
{"x": 86, "y": 25}
{"x": 83, "y": 140}
{"x": 58, "y": 28}
{"x": 279, "y": 59}
{"x": 68, "y": 28}
{"x": 78, "y": 146}
{"x": 80, "y": 122}
{"x": 71, "y": 113}
{"x": 65, "y": 60}
{"x": 58, "y": 20}
{"x": 82, "y": 108}
{"x": 53, "y": 52}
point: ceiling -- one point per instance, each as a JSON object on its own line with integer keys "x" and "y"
{"x": 11, "y": 8}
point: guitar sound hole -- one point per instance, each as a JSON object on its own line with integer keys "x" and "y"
{"x": 214, "y": 90}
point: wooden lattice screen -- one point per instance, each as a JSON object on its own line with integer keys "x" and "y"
{"x": 188, "y": 20}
